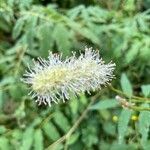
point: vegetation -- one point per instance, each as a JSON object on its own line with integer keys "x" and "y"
{"x": 115, "y": 117}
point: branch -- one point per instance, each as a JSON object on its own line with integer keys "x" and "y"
{"x": 75, "y": 126}
{"x": 133, "y": 97}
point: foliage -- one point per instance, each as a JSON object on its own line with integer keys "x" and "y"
{"x": 120, "y": 29}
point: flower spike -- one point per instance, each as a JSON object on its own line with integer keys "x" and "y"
{"x": 53, "y": 80}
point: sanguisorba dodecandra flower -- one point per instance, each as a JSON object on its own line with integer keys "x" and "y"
{"x": 55, "y": 79}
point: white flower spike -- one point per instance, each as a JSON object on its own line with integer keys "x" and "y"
{"x": 53, "y": 80}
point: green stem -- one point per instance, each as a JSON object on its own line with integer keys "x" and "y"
{"x": 140, "y": 108}
{"x": 133, "y": 97}
{"x": 74, "y": 127}
{"x": 138, "y": 101}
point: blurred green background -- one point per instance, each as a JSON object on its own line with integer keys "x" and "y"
{"x": 120, "y": 29}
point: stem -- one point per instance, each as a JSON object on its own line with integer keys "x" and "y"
{"x": 138, "y": 101}
{"x": 21, "y": 55}
{"x": 45, "y": 120}
{"x": 133, "y": 97}
{"x": 140, "y": 108}
{"x": 5, "y": 118}
{"x": 75, "y": 126}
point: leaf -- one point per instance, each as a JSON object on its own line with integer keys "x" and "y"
{"x": 30, "y": 30}
{"x": 74, "y": 137}
{"x": 85, "y": 15}
{"x": 126, "y": 85}
{"x": 62, "y": 37}
{"x": 51, "y": 131}
{"x": 133, "y": 52}
{"x": 17, "y": 135}
{"x": 16, "y": 91}
{"x": 129, "y": 5}
{"x": 7, "y": 80}
{"x": 2, "y": 129}
{"x": 146, "y": 90}
{"x": 142, "y": 23}
{"x": 36, "y": 122}
{"x": 109, "y": 128}
{"x": 123, "y": 146}
{"x": 98, "y": 13}
{"x": 89, "y": 35}
{"x": 58, "y": 146}
{"x": 62, "y": 121}
{"x": 84, "y": 31}
{"x": 74, "y": 105}
{"x": 18, "y": 27}
{"x": 83, "y": 99}
{"x": 104, "y": 145}
{"x": 25, "y": 4}
{"x": 27, "y": 139}
{"x": 4, "y": 143}
{"x": 73, "y": 13}
{"x": 144, "y": 124}
{"x": 3, "y": 26}
{"x": 38, "y": 140}
{"x": 1, "y": 100}
{"x": 123, "y": 123}
{"x": 46, "y": 40}
{"x": 104, "y": 104}
{"x": 6, "y": 59}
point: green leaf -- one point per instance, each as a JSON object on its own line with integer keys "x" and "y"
{"x": 62, "y": 121}
{"x": 38, "y": 140}
{"x": 1, "y": 100}
{"x": 27, "y": 139}
{"x": 51, "y": 131}
{"x": 62, "y": 37}
{"x": 83, "y": 99}
{"x": 18, "y": 27}
{"x": 16, "y": 91}
{"x": 74, "y": 137}
{"x": 144, "y": 124}
{"x": 7, "y": 80}
{"x": 3, "y": 26}
{"x": 4, "y": 143}
{"x": 17, "y": 135}
{"x": 104, "y": 104}
{"x": 25, "y": 4}
{"x": 36, "y": 122}
{"x": 123, "y": 123}
{"x": 74, "y": 105}
{"x": 84, "y": 31}
{"x": 109, "y": 128}
{"x": 146, "y": 145}
{"x": 30, "y": 30}
{"x": 2, "y": 129}
{"x": 73, "y": 13}
{"x": 133, "y": 52}
{"x": 104, "y": 145}
{"x": 90, "y": 35}
{"x": 123, "y": 146}
{"x": 46, "y": 40}
{"x": 146, "y": 90}
{"x": 126, "y": 85}
{"x": 6, "y": 59}
{"x": 58, "y": 146}
{"x": 129, "y": 5}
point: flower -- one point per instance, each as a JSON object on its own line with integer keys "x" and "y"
{"x": 115, "y": 118}
{"x": 53, "y": 80}
{"x": 134, "y": 117}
